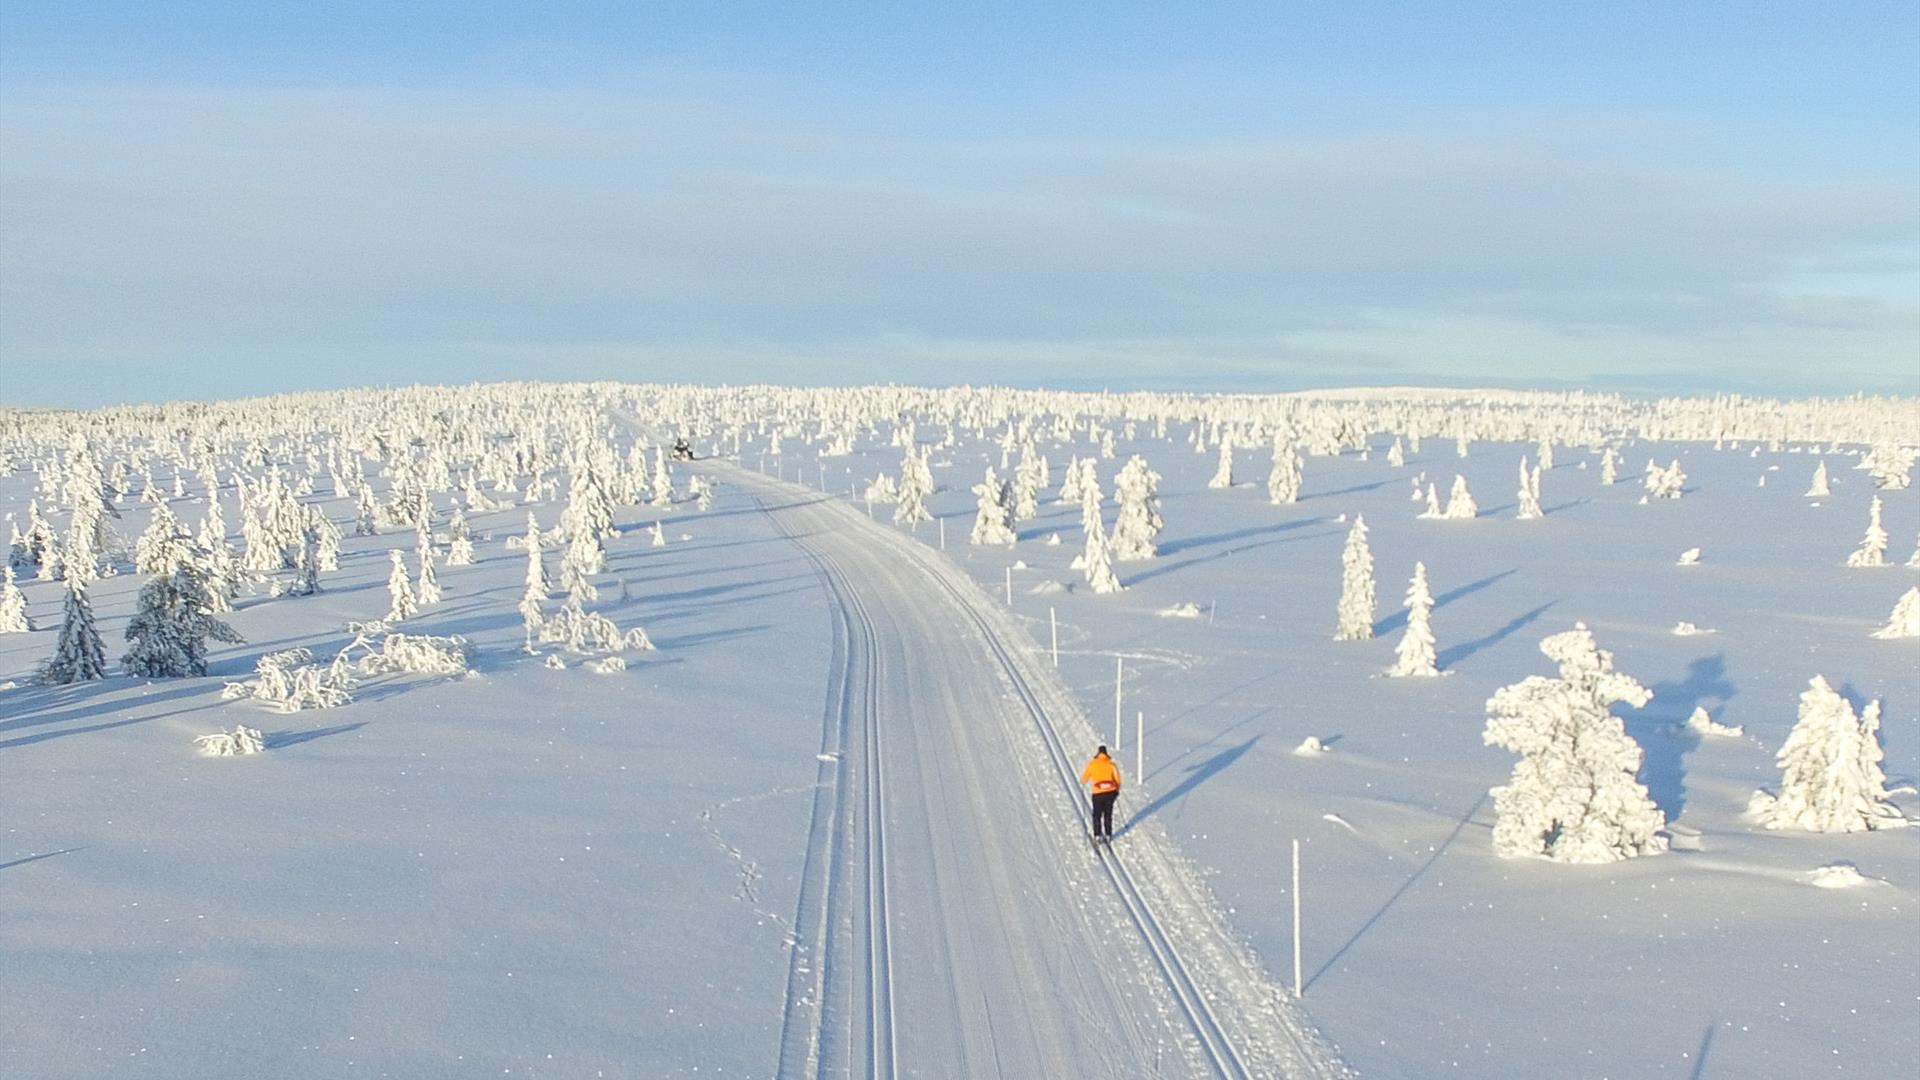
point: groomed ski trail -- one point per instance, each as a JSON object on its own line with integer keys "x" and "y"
{"x": 952, "y": 920}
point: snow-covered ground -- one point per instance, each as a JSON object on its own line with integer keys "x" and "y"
{"x": 545, "y": 872}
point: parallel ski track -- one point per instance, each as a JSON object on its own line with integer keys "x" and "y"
{"x": 1219, "y": 1049}
{"x": 855, "y": 649}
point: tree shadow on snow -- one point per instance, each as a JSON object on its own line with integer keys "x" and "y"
{"x": 1175, "y": 547}
{"x": 277, "y": 740}
{"x": 1398, "y": 620}
{"x": 1664, "y": 738}
{"x": 1169, "y": 568}
{"x": 1454, "y": 654}
{"x": 37, "y": 858}
{"x": 1354, "y": 490}
{"x": 1196, "y": 775}
{"x": 1406, "y": 885}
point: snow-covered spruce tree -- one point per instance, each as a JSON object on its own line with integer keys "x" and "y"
{"x": 1460, "y": 504}
{"x": 1028, "y": 477}
{"x": 535, "y": 594}
{"x": 1830, "y": 776}
{"x": 701, "y": 489}
{"x": 1433, "y": 511}
{"x": 1355, "y": 621}
{"x": 1873, "y": 546}
{"x": 306, "y": 576}
{"x": 1609, "y": 467}
{"x": 401, "y": 604}
{"x": 1223, "y": 474}
{"x": 155, "y": 551}
{"x": 1070, "y": 481}
{"x": 990, "y": 523}
{"x": 1546, "y": 453}
{"x": 427, "y": 592}
{"x": 13, "y": 606}
{"x": 78, "y": 653}
{"x": 1914, "y": 559}
{"x": 365, "y": 514}
{"x": 1397, "y": 454}
{"x": 1137, "y": 524}
{"x": 1819, "y": 489}
{"x": 663, "y": 479}
{"x": 882, "y": 491}
{"x": 916, "y": 486}
{"x": 1283, "y": 483}
{"x": 459, "y": 540}
{"x": 1097, "y": 562}
{"x": 1573, "y": 796}
{"x": 1529, "y": 493}
{"x": 171, "y": 625}
{"x": 1415, "y": 654}
{"x": 1903, "y": 623}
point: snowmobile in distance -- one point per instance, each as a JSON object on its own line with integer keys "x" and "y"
{"x": 681, "y": 451}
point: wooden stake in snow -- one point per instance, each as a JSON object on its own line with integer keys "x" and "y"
{"x": 1297, "y": 988}
{"x": 1053, "y": 625}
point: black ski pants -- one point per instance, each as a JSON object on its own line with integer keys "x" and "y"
{"x": 1103, "y": 812}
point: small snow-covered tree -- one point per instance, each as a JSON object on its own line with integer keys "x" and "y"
{"x": 1415, "y": 654}
{"x": 401, "y": 604}
{"x": 990, "y": 523}
{"x": 1873, "y": 547}
{"x": 13, "y": 606}
{"x": 882, "y": 490}
{"x": 1355, "y": 621}
{"x": 1529, "y": 492}
{"x": 1097, "y": 562}
{"x": 241, "y": 740}
{"x": 1903, "y": 623}
{"x": 1609, "y": 467}
{"x": 916, "y": 486}
{"x": 171, "y": 625}
{"x": 535, "y": 594}
{"x": 459, "y": 540}
{"x": 1573, "y": 796}
{"x": 1819, "y": 489}
{"x": 1667, "y": 483}
{"x": 78, "y": 653}
{"x": 427, "y": 592}
{"x": 1223, "y": 474}
{"x": 1283, "y": 483}
{"x": 1137, "y": 523}
{"x": 1460, "y": 504}
{"x": 1830, "y": 775}
{"x": 1397, "y": 454}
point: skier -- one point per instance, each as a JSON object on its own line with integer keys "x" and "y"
{"x": 681, "y": 451}
{"x": 1104, "y": 775}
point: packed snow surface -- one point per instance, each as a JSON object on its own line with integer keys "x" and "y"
{"x": 828, "y": 824}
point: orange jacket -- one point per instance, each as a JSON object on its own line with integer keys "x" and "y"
{"x": 1102, "y": 773}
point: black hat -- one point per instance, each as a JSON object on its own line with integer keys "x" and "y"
{"x": 1102, "y": 750}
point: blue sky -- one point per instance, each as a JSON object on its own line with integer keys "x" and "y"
{"x": 209, "y": 200}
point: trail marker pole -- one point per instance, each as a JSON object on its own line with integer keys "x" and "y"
{"x": 1296, "y": 919}
{"x": 1119, "y": 666}
{"x": 1053, "y": 624}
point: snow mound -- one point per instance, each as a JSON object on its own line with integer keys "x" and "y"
{"x": 1019, "y": 564}
{"x": 1045, "y": 588}
{"x": 607, "y": 665}
{"x": 1684, "y": 628}
{"x": 1186, "y": 610}
{"x": 555, "y": 663}
{"x": 1705, "y": 724}
{"x": 1689, "y": 557}
{"x": 1311, "y": 746}
{"x": 1053, "y": 539}
{"x": 1840, "y": 875}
